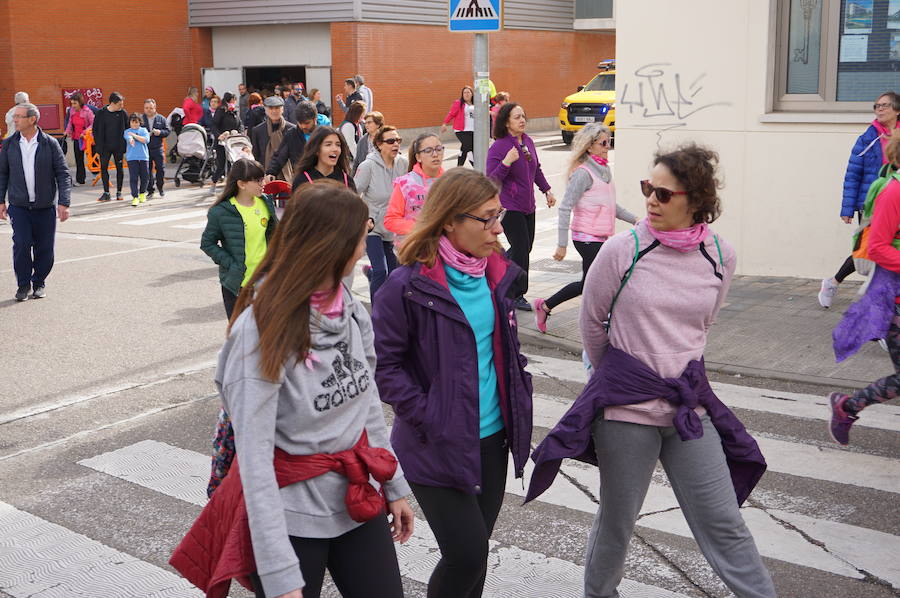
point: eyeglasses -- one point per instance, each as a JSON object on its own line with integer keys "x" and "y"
{"x": 881, "y": 105}
{"x": 663, "y": 195}
{"x": 393, "y": 141}
{"x": 431, "y": 150}
{"x": 604, "y": 143}
{"x": 488, "y": 222}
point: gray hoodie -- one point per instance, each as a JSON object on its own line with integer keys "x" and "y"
{"x": 320, "y": 405}
{"x": 375, "y": 182}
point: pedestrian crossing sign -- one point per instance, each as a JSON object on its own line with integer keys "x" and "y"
{"x": 475, "y": 15}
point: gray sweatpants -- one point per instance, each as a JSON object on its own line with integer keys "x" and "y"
{"x": 627, "y": 455}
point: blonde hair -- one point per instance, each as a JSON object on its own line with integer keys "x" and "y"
{"x": 892, "y": 151}
{"x": 582, "y": 142}
{"x": 458, "y": 191}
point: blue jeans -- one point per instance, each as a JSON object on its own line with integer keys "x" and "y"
{"x": 157, "y": 162}
{"x": 138, "y": 175}
{"x": 381, "y": 256}
{"x": 34, "y": 233}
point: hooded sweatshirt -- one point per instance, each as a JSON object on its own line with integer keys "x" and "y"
{"x": 318, "y": 405}
{"x": 375, "y": 182}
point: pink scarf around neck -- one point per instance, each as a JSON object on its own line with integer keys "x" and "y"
{"x": 683, "y": 239}
{"x": 599, "y": 160}
{"x": 884, "y": 135}
{"x": 330, "y": 309}
{"x": 453, "y": 257}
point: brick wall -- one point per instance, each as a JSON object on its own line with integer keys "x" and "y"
{"x": 142, "y": 50}
{"x": 538, "y": 68}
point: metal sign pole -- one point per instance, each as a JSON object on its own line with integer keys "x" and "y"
{"x": 482, "y": 101}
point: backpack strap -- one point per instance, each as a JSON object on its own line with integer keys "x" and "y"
{"x": 710, "y": 260}
{"x": 308, "y": 178}
{"x": 346, "y": 181}
{"x": 638, "y": 254}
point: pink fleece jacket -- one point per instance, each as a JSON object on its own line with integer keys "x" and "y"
{"x": 663, "y": 314}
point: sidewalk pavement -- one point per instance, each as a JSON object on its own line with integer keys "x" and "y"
{"x": 769, "y": 327}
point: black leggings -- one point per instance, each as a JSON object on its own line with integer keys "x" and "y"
{"x": 848, "y": 267}
{"x": 462, "y": 524}
{"x": 362, "y": 563}
{"x": 467, "y": 139}
{"x": 587, "y": 251}
{"x": 229, "y": 299}
{"x": 519, "y": 229}
{"x": 104, "y": 170}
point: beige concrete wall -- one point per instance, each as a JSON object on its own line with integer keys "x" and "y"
{"x": 699, "y": 71}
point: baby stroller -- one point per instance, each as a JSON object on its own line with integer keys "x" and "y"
{"x": 197, "y": 157}
{"x": 237, "y": 146}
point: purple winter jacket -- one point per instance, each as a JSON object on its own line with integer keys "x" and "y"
{"x": 516, "y": 181}
{"x": 623, "y": 380}
{"x": 428, "y": 372}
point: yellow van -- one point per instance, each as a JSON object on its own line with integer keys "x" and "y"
{"x": 594, "y": 102}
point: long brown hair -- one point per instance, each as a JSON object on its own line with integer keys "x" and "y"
{"x": 416, "y": 145}
{"x": 242, "y": 170}
{"x": 458, "y": 191}
{"x": 318, "y": 235}
{"x": 310, "y": 157}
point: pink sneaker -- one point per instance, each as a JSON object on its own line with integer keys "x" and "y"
{"x": 540, "y": 315}
{"x": 840, "y": 419}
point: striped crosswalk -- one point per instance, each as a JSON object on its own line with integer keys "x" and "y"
{"x": 797, "y": 531}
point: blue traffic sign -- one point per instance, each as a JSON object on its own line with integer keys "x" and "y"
{"x": 475, "y": 15}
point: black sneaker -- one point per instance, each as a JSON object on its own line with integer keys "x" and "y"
{"x": 150, "y": 193}
{"x": 22, "y": 293}
{"x": 39, "y": 292}
{"x": 104, "y": 197}
{"x": 522, "y": 304}
{"x": 162, "y": 193}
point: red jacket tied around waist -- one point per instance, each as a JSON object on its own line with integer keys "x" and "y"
{"x": 218, "y": 548}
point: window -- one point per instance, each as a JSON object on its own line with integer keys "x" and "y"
{"x": 836, "y": 55}
{"x": 602, "y": 83}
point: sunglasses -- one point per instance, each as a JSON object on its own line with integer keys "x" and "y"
{"x": 604, "y": 143}
{"x": 394, "y": 141}
{"x": 663, "y": 195}
{"x": 881, "y": 105}
{"x": 488, "y": 222}
{"x": 431, "y": 150}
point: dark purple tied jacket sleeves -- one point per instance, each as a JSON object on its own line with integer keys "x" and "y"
{"x": 624, "y": 380}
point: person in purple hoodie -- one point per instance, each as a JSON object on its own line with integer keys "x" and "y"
{"x": 649, "y": 300}
{"x": 513, "y": 162}
{"x": 449, "y": 364}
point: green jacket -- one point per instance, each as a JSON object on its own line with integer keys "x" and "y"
{"x": 223, "y": 241}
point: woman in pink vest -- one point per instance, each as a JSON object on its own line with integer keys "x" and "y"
{"x": 426, "y": 156}
{"x": 591, "y": 201}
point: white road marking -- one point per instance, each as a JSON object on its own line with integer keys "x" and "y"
{"x": 39, "y": 559}
{"x": 101, "y": 217}
{"x": 881, "y": 417}
{"x": 512, "y": 571}
{"x": 191, "y": 226}
{"x": 166, "y": 218}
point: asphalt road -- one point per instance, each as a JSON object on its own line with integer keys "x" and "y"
{"x": 107, "y": 407}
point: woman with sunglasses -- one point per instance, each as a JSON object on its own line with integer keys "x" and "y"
{"x": 426, "y": 156}
{"x": 462, "y": 113}
{"x": 375, "y": 182}
{"x": 590, "y": 200}
{"x": 649, "y": 300}
{"x": 866, "y": 159}
{"x": 512, "y": 161}
{"x": 449, "y": 364}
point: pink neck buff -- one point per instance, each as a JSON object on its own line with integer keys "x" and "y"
{"x": 884, "y": 135}
{"x": 330, "y": 309}
{"x": 453, "y": 257}
{"x": 599, "y": 160}
{"x": 683, "y": 239}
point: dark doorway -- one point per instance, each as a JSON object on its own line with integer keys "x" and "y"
{"x": 267, "y": 77}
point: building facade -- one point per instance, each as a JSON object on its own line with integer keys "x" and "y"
{"x": 781, "y": 89}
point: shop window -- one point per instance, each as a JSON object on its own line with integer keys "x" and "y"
{"x": 593, "y": 9}
{"x": 835, "y": 55}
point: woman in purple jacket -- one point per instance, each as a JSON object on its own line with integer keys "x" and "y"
{"x": 450, "y": 366}
{"x": 513, "y": 162}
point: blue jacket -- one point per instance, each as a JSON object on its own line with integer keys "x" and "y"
{"x": 159, "y": 122}
{"x": 428, "y": 372}
{"x": 865, "y": 162}
{"x": 51, "y": 174}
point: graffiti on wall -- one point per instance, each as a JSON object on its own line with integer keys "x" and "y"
{"x": 93, "y": 96}
{"x": 663, "y": 97}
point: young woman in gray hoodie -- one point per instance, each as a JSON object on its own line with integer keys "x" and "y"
{"x": 296, "y": 374}
{"x": 375, "y": 182}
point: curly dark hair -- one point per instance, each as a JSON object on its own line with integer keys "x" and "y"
{"x": 695, "y": 167}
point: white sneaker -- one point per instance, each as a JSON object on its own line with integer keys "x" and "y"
{"x": 827, "y": 292}
{"x": 883, "y": 344}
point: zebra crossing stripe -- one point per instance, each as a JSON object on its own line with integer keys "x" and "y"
{"x": 167, "y": 218}
{"x": 881, "y": 417}
{"x": 512, "y": 571}
{"x": 39, "y": 559}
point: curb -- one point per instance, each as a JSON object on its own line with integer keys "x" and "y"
{"x": 533, "y": 337}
